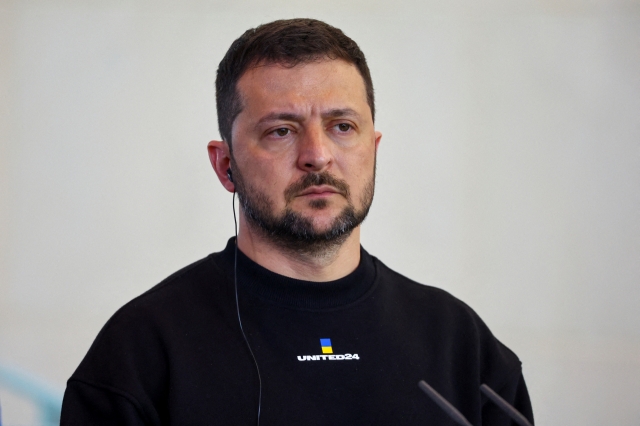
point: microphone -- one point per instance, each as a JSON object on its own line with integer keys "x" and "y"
{"x": 444, "y": 404}
{"x": 505, "y": 406}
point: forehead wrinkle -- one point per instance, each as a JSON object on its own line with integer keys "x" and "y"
{"x": 304, "y": 102}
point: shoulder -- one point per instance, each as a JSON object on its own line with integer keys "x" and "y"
{"x": 184, "y": 283}
{"x": 139, "y": 332}
{"x": 447, "y": 320}
{"x": 430, "y": 301}
{"x": 183, "y": 290}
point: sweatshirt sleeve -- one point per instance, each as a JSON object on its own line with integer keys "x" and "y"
{"x": 88, "y": 404}
{"x": 515, "y": 393}
{"x": 122, "y": 378}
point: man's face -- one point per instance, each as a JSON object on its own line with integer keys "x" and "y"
{"x": 304, "y": 151}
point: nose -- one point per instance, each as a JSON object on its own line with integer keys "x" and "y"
{"x": 314, "y": 151}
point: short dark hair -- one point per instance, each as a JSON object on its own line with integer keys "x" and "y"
{"x": 289, "y": 42}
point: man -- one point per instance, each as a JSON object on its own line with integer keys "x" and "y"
{"x": 293, "y": 323}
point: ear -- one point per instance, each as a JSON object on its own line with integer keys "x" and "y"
{"x": 221, "y": 161}
{"x": 378, "y": 138}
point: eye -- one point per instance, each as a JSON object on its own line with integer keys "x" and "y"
{"x": 344, "y": 127}
{"x": 281, "y": 132}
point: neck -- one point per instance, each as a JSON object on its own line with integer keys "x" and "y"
{"x": 332, "y": 264}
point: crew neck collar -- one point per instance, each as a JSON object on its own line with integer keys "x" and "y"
{"x": 300, "y": 294}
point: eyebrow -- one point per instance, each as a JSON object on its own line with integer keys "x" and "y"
{"x": 287, "y": 116}
{"x": 277, "y": 116}
{"x": 340, "y": 112}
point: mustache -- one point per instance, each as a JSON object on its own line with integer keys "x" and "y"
{"x": 316, "y": 179}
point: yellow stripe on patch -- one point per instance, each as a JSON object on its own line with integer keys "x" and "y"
{"x": 327, "y": 350}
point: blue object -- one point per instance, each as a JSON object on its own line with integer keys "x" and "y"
{"x": 47, "y": 400}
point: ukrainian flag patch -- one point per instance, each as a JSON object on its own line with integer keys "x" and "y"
{"x": 325, "y": 344}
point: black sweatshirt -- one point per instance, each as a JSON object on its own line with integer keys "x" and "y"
{"x": 345, "y": 352}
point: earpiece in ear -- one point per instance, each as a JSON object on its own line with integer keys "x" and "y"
{"x": 229, "y": 175}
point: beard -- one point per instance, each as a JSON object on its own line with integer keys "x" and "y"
{"x": 292, "y": 231}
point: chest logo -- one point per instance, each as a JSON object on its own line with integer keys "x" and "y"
{"x": 327, "y": 354}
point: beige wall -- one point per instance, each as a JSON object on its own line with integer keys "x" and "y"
{"x": 509, "y": 172}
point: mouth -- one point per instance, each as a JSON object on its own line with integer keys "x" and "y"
{"x": 319, "y": 191}
{"x": 317, "y": 186}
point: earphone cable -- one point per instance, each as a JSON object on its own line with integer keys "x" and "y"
{"x": 235, "y": 283}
